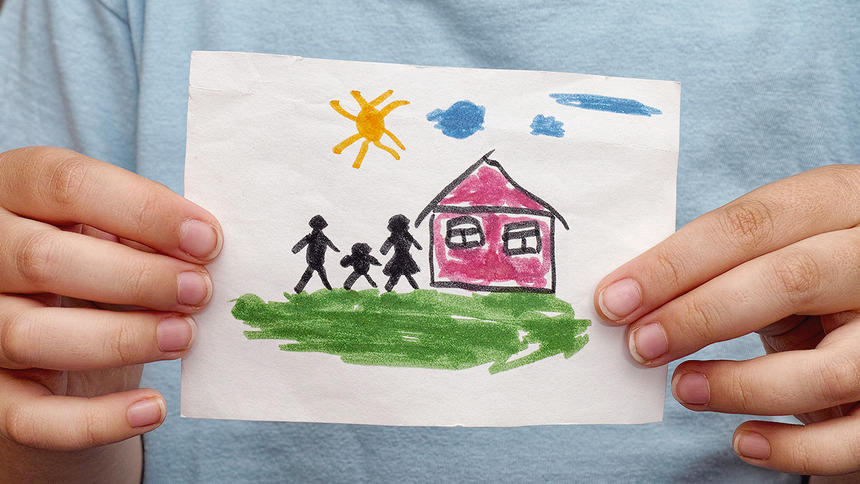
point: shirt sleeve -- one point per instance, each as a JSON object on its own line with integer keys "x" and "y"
{"x": 68, "y": 78}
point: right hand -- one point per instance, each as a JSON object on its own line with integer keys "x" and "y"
{"x": 127, "y": 253}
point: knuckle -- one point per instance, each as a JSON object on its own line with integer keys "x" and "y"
{"x": 16, "y": 341}
{"x": 669, "y": 269}
{"x": 742, "y": 392}
{"x": 838, "y": 378}
{"x": 95, "y": 430}
{"x": 137, "y": 284}
{"x": 124, "y": 345}
{"x": 144, "y": 216}
{"x": 19, "y": 426}
{"x": 35, "y": 255}
{"x": 700, "y": 319}
{"x": 747, "y": 224}
{"x": 797, "y": 277}
{"x": 64, "y": 179}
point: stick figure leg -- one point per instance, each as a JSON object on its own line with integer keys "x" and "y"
{"x": 392, "y": 281}
{"x": 350, "y": 280}
{"x": 304, "y": 280}
{"x": 411, "y": 281}
{"x": 321, "y": 272}
{"x": 370, "y": 280}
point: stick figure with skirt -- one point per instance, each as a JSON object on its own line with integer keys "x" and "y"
{"x": 401, "y": 264}
{"x": 317, "y": 244}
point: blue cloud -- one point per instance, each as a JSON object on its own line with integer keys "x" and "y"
{"x": 605, "y": 103}
{"x": 461, "y": 120}
{"x": 547, "y": 125}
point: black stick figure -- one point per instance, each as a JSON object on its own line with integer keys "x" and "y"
{"x": 360, "y": 260}
{"x": 317, "y": 244}
{"x": 401, "y": 264}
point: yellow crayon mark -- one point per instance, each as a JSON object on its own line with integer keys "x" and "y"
{"x": 370, "y": 123}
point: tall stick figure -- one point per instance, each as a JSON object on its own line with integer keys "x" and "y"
{"x": 402, "y": 263}
{"x": 317, "y": 244}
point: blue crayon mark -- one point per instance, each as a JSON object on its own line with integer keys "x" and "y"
{"x": 461, "y": 120}
{"x": 605, "y": 103}
{"x": 547, "y": 125}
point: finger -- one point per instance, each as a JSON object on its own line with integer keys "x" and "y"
{"x": 786, "y": 383}
{"x": 831, "y": 447}
{"x": 101, "y": 234}
{"x": 30, "y": 416}
{"x": 60, "y": 186}
{"x": 45, "y": 259}
{"x": 766, "y": 219}
{"x": 87, "y": 339}
{"x": 817, "y": 275}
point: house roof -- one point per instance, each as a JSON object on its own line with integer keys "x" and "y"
{"x": 486, "y": 184}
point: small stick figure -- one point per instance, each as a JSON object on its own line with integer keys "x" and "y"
{"x": 402, "y": 263}
{"x": 360, "y": 260}
{"x": 317, "y": 244}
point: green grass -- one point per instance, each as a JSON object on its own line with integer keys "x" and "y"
{"x": 422, "y": 328}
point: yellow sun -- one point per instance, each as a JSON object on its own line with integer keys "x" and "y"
{"x": 370, "y": 123}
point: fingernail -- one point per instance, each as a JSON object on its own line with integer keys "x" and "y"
{"x": 146, "y": 412}
{"x": 751, "y": 445}
{"x": 199, "y": 239}
{"x": 174, "y": 334}
{"x": 647, "y": 343}
{"x": 620, "y": 299}
{"x": 193, "y": 288}
{"x": 692, "y": 388}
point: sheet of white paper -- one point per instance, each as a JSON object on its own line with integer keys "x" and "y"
{"x": 261, "y": 132}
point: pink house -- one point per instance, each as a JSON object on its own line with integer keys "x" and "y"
{"x": 487, "y": 233}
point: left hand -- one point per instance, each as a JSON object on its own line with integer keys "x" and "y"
{"x": 783, "y": 261}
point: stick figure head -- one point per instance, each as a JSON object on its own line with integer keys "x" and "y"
{"x": 398, "y": 223}
{"x": 318, "y": 223}
{"x": 360, "y": 248}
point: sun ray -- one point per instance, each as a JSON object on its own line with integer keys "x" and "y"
{"x": 370, "y": 123}
{"x": 337, "y": 107}
{"x": 393, "y": 153}
{"x": 361, "y": 152}
{"x": 394, "y": 138}
{"x": 358, "y": 97}
{"x": 343, "y": 144}
{"x": 387, "y": 109}
{"x": 381, "y": 97}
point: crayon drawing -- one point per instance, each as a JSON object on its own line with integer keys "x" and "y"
{"x": 448, "y": 284}
{"x": 488, "y": 234}
{"x": 370, "y": 123}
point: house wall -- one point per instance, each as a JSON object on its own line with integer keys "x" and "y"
{"x": 488, "y": 265}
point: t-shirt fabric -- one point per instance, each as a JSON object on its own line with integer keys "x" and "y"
{"x": 768, "y": 90}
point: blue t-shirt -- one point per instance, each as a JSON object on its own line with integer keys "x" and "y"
{"x": 769, "y": 90}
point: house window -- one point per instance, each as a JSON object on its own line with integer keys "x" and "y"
{"x": 463, "y": 233}
{"x": 521, "y": 238}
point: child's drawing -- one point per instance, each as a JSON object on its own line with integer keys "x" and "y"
{"x": 605, "y": 103}
{"x": 360, "y": 260}
{"x": 370, "y": 123}
{"x": 401, "y": 263}
{"x": 461, "y": 120}
{"x": 547, "y": 125}
{"x": 487, "y": 234}
{"x": 317, "y": 243}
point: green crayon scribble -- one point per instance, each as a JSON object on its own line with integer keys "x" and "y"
{"x": 422, "y": 328}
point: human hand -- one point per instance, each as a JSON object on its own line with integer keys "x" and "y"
{"x": 784, "y": 261}
{"x": 127, "y": 253}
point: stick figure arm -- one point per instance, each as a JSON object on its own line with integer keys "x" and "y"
{"x": 300, "y": 245}
{"x": 346, "y": 261}
{"x": 414, "y": 242}
{"x": 386, "y": 246}
{"x": 331, "y": 244}
{"x": 373, "y": 260}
